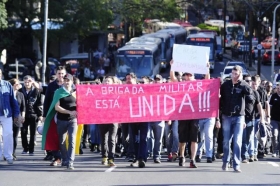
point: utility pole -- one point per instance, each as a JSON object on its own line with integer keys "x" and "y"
{"x": 45, "y": 41}
{"x": 250, "y": 36}
{"x": 225, "y": 33}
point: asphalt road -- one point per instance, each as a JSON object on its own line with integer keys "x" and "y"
{"x": 32, "y": 170}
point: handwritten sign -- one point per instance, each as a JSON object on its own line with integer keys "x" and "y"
{"x": 101, "y": 104}
{"x": 188, "y": 58}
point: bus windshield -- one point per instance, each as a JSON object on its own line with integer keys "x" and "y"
{"x": 140, "y": 65}
{"x": 207, "y": 44}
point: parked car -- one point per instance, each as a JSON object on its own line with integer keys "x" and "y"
{"x": 226, "y": 73}
{"x": 266, "y": 59}
{"x": 240, "y": 63}
{"x": 267, "y": 43}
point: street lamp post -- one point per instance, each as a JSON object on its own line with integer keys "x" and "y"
{"x": 45, "y": 41}
{"x": 273, "y": 43}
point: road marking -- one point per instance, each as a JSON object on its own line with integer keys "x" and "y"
{"x": 110, "y": 169}
{"x": 273, "y": 164}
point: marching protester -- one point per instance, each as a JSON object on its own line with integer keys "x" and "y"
{"x": 9, "y": 111}
{"x": 21, "y": 103}
{"x": 275, "y": 121}
{"x": 188, "y": 129}
{"x": 65, "y": 105}
{"x": 108, "y": 133}
{"x": 232, "y": 103}
{"x": 50, "y": 141}
{"x": 157, "y": 129}
{"x": 259, "y": 152}
{"x": 252, "y": 104}
{"x": 140, "y": 131}
{"x": 33, "y": 103}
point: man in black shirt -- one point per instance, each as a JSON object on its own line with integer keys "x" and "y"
{"x": 251, "y": 106}
{"x": 275, "y": 120}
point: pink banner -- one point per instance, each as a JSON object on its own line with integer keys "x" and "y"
{"x": 101, "y": 104}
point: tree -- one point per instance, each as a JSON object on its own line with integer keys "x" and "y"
{"x": 3, "y": 15}
{"x": 134, "y": 12}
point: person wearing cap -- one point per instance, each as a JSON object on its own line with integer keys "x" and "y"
{"x": 64, "y": 105}
{"x": 188, "y": 129}
{"x": 33, "y": 113}
{"x": 9, "y": 109}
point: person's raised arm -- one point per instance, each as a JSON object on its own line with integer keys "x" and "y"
{"x": 172, "y": 73}
{"x": 207, "y": 75}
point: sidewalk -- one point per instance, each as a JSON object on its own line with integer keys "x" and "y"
{"x": 252, "y": 70}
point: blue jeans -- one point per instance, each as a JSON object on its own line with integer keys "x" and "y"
{"x": 232, "y": 128}
{"x": 172, "y": 138}
{"x": 157, "y": 128}
{"x": 94, "y": 134}
{"x": 206, "y": 134}
{"x": 70, "y": 128}
{"x": 256, "y": 142}
{"x": 248, "y": 140}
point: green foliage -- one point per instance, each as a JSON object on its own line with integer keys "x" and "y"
{"x": 3, "y": 15}
{"x": 207, "y": 27}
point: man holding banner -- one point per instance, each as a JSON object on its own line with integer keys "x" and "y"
{"x": 232, "y": 103}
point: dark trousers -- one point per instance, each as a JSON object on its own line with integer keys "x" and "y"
{"x": 125, "y": 141}
{"x": 140, "y": 143}
{"x": 32, "y": 124}
{"x": 86, "y": 133}
{"x": 108, "y": 134}
{"x": 15, "y": 137}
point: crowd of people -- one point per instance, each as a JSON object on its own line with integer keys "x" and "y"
{"x": 247, "y": 105}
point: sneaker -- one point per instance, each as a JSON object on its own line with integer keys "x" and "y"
{"x": 84, "y": 145}
{"x": 81, "y": 151}
{"x": 130, "y": 159}
{"x": 48, "y": 158}
{"x": 182, "y": 161}
{"x": 141, "y": 164}
{"x": 10, "y": 161}
{"x": 209, "y": 160}
{"x": 174, "y": 156}
{"x": 24, "y": 152}
{"x": 197, "y": 158}
{"x": 251, "y": 159}
{"x": 70, "y": 167}
{"x": 237, "y": 170}
{"x": 56, "y": 162}
{"x": 255, "y": 158}
{"x": 135, "y": 163}
{"x": 213, "y": 158}
{"x": 225, "y": 167}
{"x": 14, "y": 157}
{"x": 111, "y": 163}
{"x": 157, "y": 160}
{"x": 170, "y": 157}
{"x": 245, "y": 161}
{"x": 274, "y": 155}
{"x": 104, "y": 161}
{"x": 192, "y": 164}
{"x": 35, "y": 143}
{"x": 31, "y": 153}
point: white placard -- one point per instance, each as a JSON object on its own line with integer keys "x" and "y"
{"x": 189, "y": 58}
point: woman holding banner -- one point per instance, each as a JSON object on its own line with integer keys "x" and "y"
{"x": 108, "y": 133}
